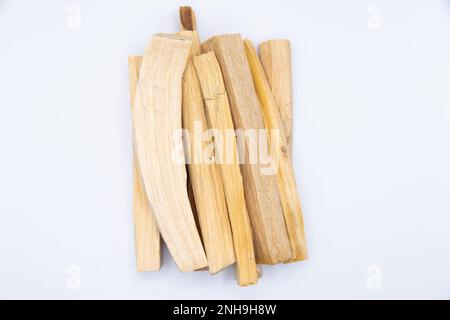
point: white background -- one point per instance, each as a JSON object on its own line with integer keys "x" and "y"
{"x": 371, "y": 147}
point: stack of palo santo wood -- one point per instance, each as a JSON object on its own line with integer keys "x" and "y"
{"x": 212, "y": 144}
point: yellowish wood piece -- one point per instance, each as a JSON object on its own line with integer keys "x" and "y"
{"x": 147, "y": 238}
{"x": 218, "y": 115}
{"x": 263, "y": 202}
{"x": 192, "y": 201}
{"x": 276, "y": 60}
{"x": 187, "y": 20}
{"x": 287, "y": 187}
{"x": 204, "y": 177}
{"x": 157, "y": 123}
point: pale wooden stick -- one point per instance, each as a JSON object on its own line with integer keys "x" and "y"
{"x": 205, "y": 180}
{"x": 290, "y": 201}
{"x": 148, "y": 246}
{"x": 218, "y": 115}
{"x": 276, "y": 59}
{"x": 157, "y": 121}
{"x": 263, "y": 201}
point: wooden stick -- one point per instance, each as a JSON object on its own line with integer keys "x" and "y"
{"x": 263, "y": 202}
{"x": 187, "y": 19}
{"x": 157, "y": 121}
{"x": 276, "y": 60}
{"x": 194, "y": 51}
{"x": 205, "y": 180}
{"x": 148, "y": 246}
{"x": 218, "y": 115}
{"x": 290, "y": 201}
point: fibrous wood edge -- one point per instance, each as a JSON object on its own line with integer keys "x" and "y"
{"x": 276, "y": 60}
{"x": 157, "y": 122}
{"x": 218, "y": 115}
{"x": 205, "y": 179}
{"x": 263, "y": 203}
{"x": 147, "y": 238}
{"x": 287, "y": 187}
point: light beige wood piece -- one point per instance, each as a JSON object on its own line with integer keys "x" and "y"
{"x": 263, "y": 203}
{"x": 287, "y": 187}
{"x": 157, "y": 120}
{"x": 276, "y": 59}
{"x": 147, "y": 238}
{"x": 218, "y": 115}
{"x": 204, "y": 177}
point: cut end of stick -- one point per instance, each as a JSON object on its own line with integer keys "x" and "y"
{"x": 193, "y": 35}
{"x": 187, "y": 19}
{"x": 172, "y": 36}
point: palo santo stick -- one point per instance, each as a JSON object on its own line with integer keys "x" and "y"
{"x": 205, "y": 180}
{"x": 187, "y": 24}
{"x": 290, "y": 201}
{"x": 218, "y": 115}
{"x": 148, "y": 246}
{"x": 157, "y": 121}
{"x": 187, "y": 19}
{"x": 263, "y": 202}
{"x": 276, "y": 60}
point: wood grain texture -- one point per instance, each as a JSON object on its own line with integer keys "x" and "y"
{"x": 157, "y": 120}
{"x": 147, "y": 238}
{"x": 218, "y": 115}
{"x": 205, "y": 179}
{"x": 276, "y": 60}
{"x": 261, "y": 193}
{"x": 287, "y": 187}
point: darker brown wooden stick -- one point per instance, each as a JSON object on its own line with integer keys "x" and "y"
{"x": 187, "y": 19}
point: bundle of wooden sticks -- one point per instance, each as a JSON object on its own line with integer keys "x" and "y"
{"x": 213, "y": 202}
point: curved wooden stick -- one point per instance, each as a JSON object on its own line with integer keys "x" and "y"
{"x": 157, "y": 121}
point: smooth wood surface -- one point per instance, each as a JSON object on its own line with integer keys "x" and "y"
{"x": 276, "y": 60}
{"x": 218, "y": 115}
{"x": 261, "y": 193}
{"x": 157, "y": 120}
{"x": 147, "y": 238}
{"x": 205, "y": 179}
{"x": 287, "y": 187}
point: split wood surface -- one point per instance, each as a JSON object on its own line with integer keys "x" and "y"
{"x": 290, "y": 201}
{"x": 157, "y": 119}
{"x": 205, "y": 180}
{"x": 276, "y": 60}
{"x": 219, "y": 117}
{"x": 261, "y": 193}
{"x": 147, "y": 238}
